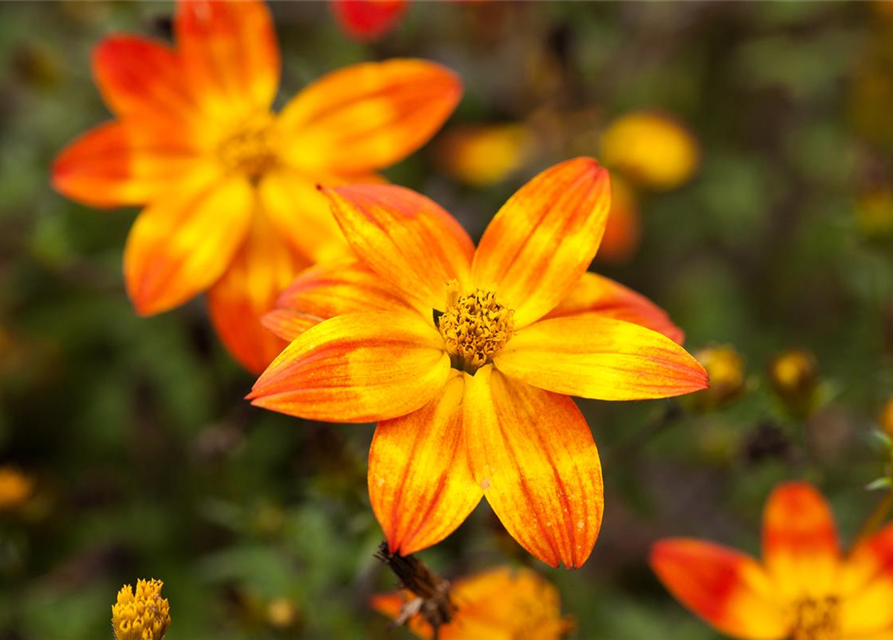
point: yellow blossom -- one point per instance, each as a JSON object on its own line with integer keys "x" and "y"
{"x": 144, "y": 616}
{"x": 15, "y": 488}
{"x": 482, "y": 155}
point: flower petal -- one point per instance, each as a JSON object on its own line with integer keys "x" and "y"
{"x": 368, "y": 116}
{"x": 302, "y": 215}
{"x": 229, "y": 53}
{"x": 287, "y": 323}
{"x": 726, "y": 588}
{"x": 868, "y": 584}
{"x": 405, "y": 238}
{"x": 543, "y": 239}
{"x": 368, "y": 20}
{"x": 533, "y": 454}
{"x": 359, "y": 367}
{"x": 180, "y": 245}
{"x": 593, "y": 356}
{"x": 420, "y": 484}
{"x": 598, "y": 294}
{"x": 801, "y": 550}
{"x": 116, "y": 164}
{"x": 262, "y": 268}
{"x": 144, "y": 78}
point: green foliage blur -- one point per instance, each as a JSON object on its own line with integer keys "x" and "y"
{"x": 147, "y": 462}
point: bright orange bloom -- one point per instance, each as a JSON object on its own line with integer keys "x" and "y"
{"x": 460, "y": 360}
{"x": 804, "y": 589}
{"x": 368, "y": 20}
{"x": 230, "y": 187}
{"x": 500, "y": 604}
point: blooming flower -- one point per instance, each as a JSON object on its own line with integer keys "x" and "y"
{"x": 500, "y": 604}
{"x": 804, "y": 589}
{"x": 459, "y": 360}
{"x": 230, "y": 187}
{"x": 143, "y": 616}
{"x": 368, "y": 20}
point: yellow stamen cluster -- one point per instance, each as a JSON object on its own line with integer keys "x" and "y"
{"x": 474, "y": 327}
{"x": 250, "y": 149}
{"x": 144, "y": 616}
{"x": 817, "y": 619}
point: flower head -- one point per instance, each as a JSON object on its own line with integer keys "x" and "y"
{"x": 794, "y": 375}
{"x": 141, "y": 616}
{"x": 229, "y": 186}
{"x": 466, "y": 357}
{"x": 15, "y": 487}
{"x": 805, "y": 588}
{"x": 725, "y": 366}
{"x": 368, "y": 20}
{"x": 481, "y": 155}
{"x": 501, "y": 604}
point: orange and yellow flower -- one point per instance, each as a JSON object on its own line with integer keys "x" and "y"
{"x": 466, "y": 357}
{"x": 805, "y": 588}
{"x": 229, "y": 187}
{"x": 501, "y": 604}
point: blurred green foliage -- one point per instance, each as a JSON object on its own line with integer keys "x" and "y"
{"x": 148, "y": 463}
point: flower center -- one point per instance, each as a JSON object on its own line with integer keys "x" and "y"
{"x": 250, "y": 149}
{"x": 474, "y": 327}
{"x": 817, "y": 619}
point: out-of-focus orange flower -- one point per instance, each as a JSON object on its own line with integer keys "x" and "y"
{"x": 650, "y": 149}
{"x": 725, "y": 366}
{"x": 804, "y": 589}
{"x": 368, "y": 20}
{"x": 231, "y": 187}
{"x": 501, "y": 604}
{"x": 466, "y": 369}
{"x": 624, "y": 229}
{"x": 483, "y": 155}
{"x": 15, "y": 488}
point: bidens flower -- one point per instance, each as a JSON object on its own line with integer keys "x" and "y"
{"x": 805, "y": 588}
{"x": 230, "y": 186}
{"x": 141, "y": 616}
{"x": 500, "y": 604}
{"x": 468, "y": 377}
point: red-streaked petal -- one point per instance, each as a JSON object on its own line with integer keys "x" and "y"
{"x": 420, "y": 484}
{"x": 302, "y": 215}
{"x": 144, "y": 78}
{"x": 407, "y": 239}
{"x": 801, "y": 550}
{"x": 262, "y": 268}
{"x": 542, "y": 240}
{"x": 368, "y": 116}
{"x": 533, "y": 454}
{"x": 359, "y": 367}
{"x": 116, "y": 164}
{"x": 594, "y": 356}
{"x": 867, "y": 583}
{"x": 724, "y": 587}
{"x": 598, "y": 294}
{"x": 368, "y": 20}
{"x": 183, "y": 243}
{"x": 229, "y": 52}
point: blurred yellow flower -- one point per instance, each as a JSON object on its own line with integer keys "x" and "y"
{"x": 481, "y": 155}
{"x": 144, "y": 616}
{"x": 281, "y": 613}
{"x": 874, "y": 213}
{"x": 15, "y": 487}
{"x": 794, "y": 376}
{"x": 650, "y": 149}
{"x": 725, "y": 368}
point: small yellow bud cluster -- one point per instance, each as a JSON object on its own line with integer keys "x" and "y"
{"x": 475, "y": 327}
{"x": 144, "y": 616}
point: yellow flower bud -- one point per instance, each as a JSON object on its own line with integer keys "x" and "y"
{"x": 484, "y": 155}
{"x": 725, "y": 368}
{"x": 794, "y": 376}
{"x": 281, "y": 613}
{"x": 144, "y": 616}
{"x": 15, "y": 488}
{"x": 650, "y": 149}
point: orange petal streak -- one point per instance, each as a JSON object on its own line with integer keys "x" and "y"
{"x": 800, "y": 545}
{"x": 543, "y": 239}
{"x": 368, "y": 20}
{"x": 262, "y": 268}
{"x": 726, "y": 588}
{"x": 116, "y": 164}
{"x": 229, "y": 53}
{"x": 533, "y": 454}
{"x": 180, "y": 245}
{"x": 359, "y": 367}
{"x": 420, "y": 483}
{"x": 598, "y": 294}
{"x": 407, "y": 239}
{"x": 368, "y": 116}
{"x": 594, "y": 356}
